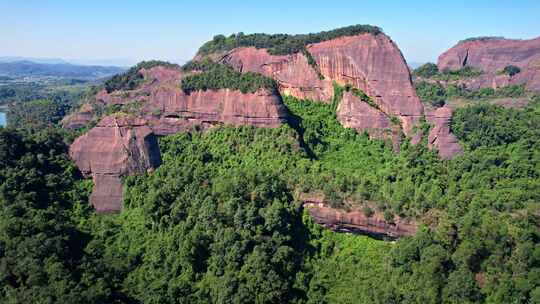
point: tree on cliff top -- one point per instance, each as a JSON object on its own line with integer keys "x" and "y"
{"x": 281, "y": 44}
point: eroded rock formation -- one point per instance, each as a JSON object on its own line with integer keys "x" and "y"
{"x": 352, "y": 112}
{"x": 492, "y": 55}
{"x": 125, "y": 144}
{"x": 440, "y": 136}
{"x": 371, "y": 63}
{"x": 355, "y": 221}
{"x": 118, "y": 146}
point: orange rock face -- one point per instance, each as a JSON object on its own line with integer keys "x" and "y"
{"x": 371, "y": 63}
{"x": 493, "y": 55}
{"x": 355, "y": 221}
{"x": 440, "y": 136}
{"x": 123, "y": 144}
{"x": 117, "y": 146}
{"x": 206, "y": 108}
{"x": 355, "y": 113}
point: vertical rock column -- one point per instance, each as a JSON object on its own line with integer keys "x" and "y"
{"x": 119, "y": 145}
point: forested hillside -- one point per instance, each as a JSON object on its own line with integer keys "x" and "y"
{"x": 220, "y": 221}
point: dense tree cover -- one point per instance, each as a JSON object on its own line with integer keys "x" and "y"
{"x": 220, "y": 76}
{"x": 132, "y": 77}
{"x": 281, "y": 44}
{"x": 511, "y": 70}
{"x": 426, "y": 70}
{"x": 218, "y": 221}
{"x": 436, "y": 94}
{"x": 481, "y": 38}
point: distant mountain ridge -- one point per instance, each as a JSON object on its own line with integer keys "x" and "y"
{"x": 26, "y": 68}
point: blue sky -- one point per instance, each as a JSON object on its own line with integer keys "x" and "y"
{"x": 130, "y": 31}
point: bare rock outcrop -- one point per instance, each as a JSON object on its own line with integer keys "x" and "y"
{"x": 167, "y": 109}
{"x": 80, "y": 118}
{"x": 352, "y": 112}
{"x": 178, "y": 110}
{"x": 119, "y": 145}
{"x": 440, "y": 136}
{"x": 492, "y": 55}
{"x": 371, "y": 63}
{"x": 355, "y": 221}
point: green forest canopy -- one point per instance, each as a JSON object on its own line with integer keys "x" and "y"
{"x": 281, "y": 44}
{"x": 214, "y": 76}
{"x": 218, "y": 221}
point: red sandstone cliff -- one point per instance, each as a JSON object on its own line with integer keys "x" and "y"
{"x": 168, "y": 109}
{"x": 440, "y": 136}
{"x": 124, "y": 144}
{"x": 119, "y": 145}
{"x": 371, "y": 63}
{"x": 491, "y": 56}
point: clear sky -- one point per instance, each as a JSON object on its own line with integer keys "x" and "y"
{"x": 173, "y": 30}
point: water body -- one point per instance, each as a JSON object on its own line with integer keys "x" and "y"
{"x": 3, "y": 119}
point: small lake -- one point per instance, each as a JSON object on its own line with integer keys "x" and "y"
{"x": 3, "y": 119}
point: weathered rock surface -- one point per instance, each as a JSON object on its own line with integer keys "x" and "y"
{"x": 493, "y": 55}
{"x": 119, "y": 145}
{"x": 168, "y": 109}
{"x": 124, "y": 144}
{"x": 179, "y": 110}
{"x": 440, "y": 136}
{"x": 371, "y": 63}
{"x": 355, "y": 221}
{"x": 352, "y": 112}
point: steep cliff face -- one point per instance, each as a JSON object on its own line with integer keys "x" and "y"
{"x": 371, "y": 63}
{"x": 352, "y": 112}
{"x": 206, "y": 108}
{"x": 124, "y": 144}
{"x": 168, "y": 109}
{"x": 440, "y": 136}
{"x": 355, "y": 221}
{"x": 492, "y": 55}
{"x": 119, "y": 145}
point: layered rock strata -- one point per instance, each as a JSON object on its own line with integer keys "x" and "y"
{"x": 118, "y": 146}
{"x": 492, "y": 55}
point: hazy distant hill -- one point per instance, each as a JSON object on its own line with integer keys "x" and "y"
{"x": 28, "y": 68}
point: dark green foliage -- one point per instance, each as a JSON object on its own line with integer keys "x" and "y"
{"x": 312, "y": 63}
{"x": 511, "y": 70}
{"x": 436, "y": 94}
{"x": 433, "y": 93}
{"x": 200, "y": 65}
{"x": 132, "y": 78}
{"x": 42, "y": 257}
{"x": 489, "y": 125}
{"x": 465, "y": 72}
{"x": 30, "y": 69}
{"x": 218, "y": 221}
{"x": 281, "y": 44}
{"x": 481, "y": 38}
{"x": 18, "y": 93}
{"x": 220, "y": 76}
{"x": 426, "y": 70}
{"x": 36, "y": 114}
